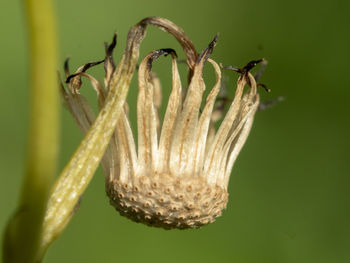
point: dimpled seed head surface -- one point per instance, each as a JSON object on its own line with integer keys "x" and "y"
{"x": 164, "y": 201}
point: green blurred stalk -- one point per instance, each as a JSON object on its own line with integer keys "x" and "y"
{"x": 23, "y": 233}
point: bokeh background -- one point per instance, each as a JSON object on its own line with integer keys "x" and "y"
{"x": 289, "y": 190}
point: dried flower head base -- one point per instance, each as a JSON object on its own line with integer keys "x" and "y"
{"x": 177, "y": 175}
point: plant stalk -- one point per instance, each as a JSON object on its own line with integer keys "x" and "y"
{"x": 23, "y": 233}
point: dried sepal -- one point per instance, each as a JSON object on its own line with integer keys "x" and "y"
{"x": 183, "y": 144}
{"x": 204, "y": 122}
{"x": 173, "y": 108}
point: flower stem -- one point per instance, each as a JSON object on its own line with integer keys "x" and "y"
{"x": 23, "y": 233}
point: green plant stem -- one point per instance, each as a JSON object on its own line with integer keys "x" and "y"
{"x": 23, "y": 233}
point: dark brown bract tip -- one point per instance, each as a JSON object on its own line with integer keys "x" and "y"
{"x": 264, "y": 87}
{"x": 83, "y": 69}
{"x": 208, "y": 51}
{"x": 158, "y": 53}
{"x": 251, "y": 65}
{"x": 109, "y": 50}
{"x": 66, "y": 67}
{"x": 245, "y": 69}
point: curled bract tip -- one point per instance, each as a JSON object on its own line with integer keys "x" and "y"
{"x": 160, "y": 52}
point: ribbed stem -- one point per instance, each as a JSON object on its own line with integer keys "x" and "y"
{"x": 23, "y": 232}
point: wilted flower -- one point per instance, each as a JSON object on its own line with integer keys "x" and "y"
{"x": 177, "y": 175}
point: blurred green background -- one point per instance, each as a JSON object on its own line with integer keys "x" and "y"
{"x": 289, "y": 190}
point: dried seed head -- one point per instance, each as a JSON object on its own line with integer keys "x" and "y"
{"x": 177, "y": 175}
